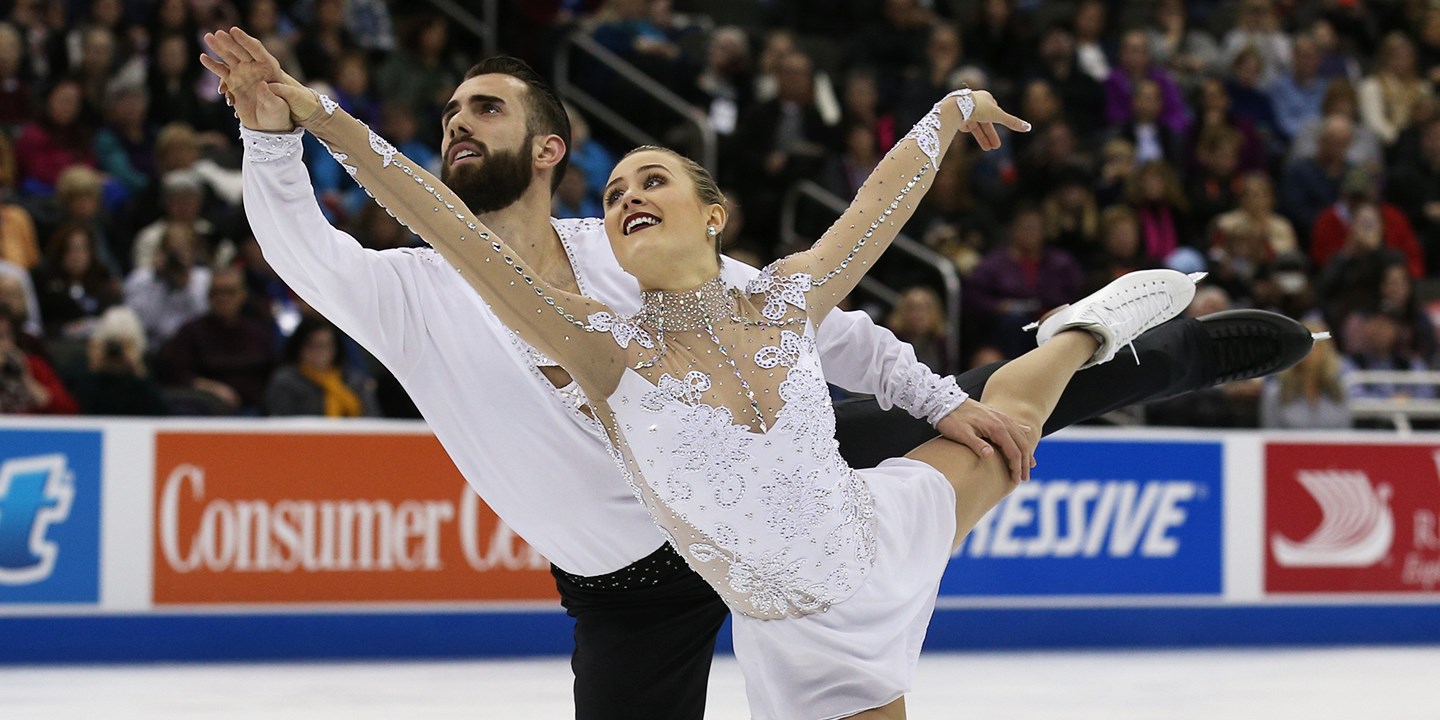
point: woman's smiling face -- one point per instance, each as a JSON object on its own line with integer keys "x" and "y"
{"x": 657, "y": 223}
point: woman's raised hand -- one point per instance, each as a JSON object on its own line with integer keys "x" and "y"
{"x": 986, "y": 115}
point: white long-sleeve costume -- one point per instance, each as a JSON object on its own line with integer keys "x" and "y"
{"x": 520, "y": 442}
{"x": 831, "y": 571}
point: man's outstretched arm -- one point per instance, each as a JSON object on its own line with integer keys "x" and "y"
{"x": 367, "y": 294}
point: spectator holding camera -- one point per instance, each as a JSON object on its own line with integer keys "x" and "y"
{"x": 172, "y": 290}
{"x": 28, "y": 385}
{"x": 184, "y": 199}
{"x": 116, "y": 381}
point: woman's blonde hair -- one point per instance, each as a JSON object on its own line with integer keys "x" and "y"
{"x": 1321, "y": 370}
{"x": 77, "y": 180}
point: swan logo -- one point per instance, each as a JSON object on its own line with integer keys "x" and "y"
{"x": 1357, "y": 526}
{"x": 1352, "y": 518}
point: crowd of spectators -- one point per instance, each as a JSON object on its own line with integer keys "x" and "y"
{"x": 130, "y": 283}
{"x": 1290, "y": 148}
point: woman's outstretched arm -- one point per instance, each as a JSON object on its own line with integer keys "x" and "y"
{"x": 837, "y": 261}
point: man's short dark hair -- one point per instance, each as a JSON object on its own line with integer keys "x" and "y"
{"x": 545, "y": 115}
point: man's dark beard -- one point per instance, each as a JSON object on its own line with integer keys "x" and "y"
{"x": 494, "y": 183}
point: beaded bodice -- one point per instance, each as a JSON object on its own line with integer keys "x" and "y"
{"x": 727, "y": 433}
{"x": 714, "y": 401}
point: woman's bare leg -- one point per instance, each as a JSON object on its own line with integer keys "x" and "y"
{"x": 1027, "y": 390}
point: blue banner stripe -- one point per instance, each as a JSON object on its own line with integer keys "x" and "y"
{"x": 169, "y": 638}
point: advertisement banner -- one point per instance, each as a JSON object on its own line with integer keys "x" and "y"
{"x": 1352, "y": 518}
{"x": 1102, "y": 518}
{"x": 49, "y": 516}
{"x": 280, "y": 518}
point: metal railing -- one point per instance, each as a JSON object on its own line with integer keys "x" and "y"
{"x": 582, "y": 44}
{"x": 1397, "y": 410}
{"x": 481, "y": 26}
{"x": 949, "y": 276}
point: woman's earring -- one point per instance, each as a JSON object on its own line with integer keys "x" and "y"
{"x": 712, "y": 230}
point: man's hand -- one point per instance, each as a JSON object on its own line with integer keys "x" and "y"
{"x": 245, "y": 70}
{"x": 979, "y": 427}
{"x": 986, "y": 116}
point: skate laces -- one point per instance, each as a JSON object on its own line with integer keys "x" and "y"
{"x": 1131, "y": 315}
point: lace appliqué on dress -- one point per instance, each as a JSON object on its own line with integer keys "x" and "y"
{"x": 779, "y": 291}
{"x": 794, "y": 505}
{"x": 807, "y": 412}
{"x": 857, "y": 525}
{"x": 773, "y": 584}
{"x": 264, "y": 147}
{"x": 788, "y": 353}
{"x": 622, "y": 329}
{"x": 669, "y": 389}
{"x": 709, "y": 443}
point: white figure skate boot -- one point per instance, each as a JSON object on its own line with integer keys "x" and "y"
{"x": 1119, "y": 312}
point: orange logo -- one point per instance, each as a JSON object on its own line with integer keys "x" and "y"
{"x": 244, "y": 517}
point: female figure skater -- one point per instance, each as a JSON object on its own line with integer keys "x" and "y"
{"x": 715, "y": 404}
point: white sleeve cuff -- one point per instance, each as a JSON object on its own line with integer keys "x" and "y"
{"x": 264, "y": 147}
{"x": 926, "y": 395}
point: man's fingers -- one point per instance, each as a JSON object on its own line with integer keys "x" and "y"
{"x": 253, "y": 46}
{"x": 224, "y": 46}
{"x": 1000, "y": 436}
{"x": 1012, "y": 430}
{"x": 220, "y": 69}
{"x": 240, "y": 51}
{"x": 977, "y": 444}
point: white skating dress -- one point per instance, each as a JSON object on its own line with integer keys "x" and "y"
{"x": 718, "y": 413}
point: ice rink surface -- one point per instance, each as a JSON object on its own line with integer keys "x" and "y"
{"x": 1268, "y": 684}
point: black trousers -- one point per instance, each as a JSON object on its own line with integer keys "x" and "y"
{"x": 645, "y": 634}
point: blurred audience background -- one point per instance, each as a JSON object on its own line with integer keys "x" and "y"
{"x": 1291, "y": 149}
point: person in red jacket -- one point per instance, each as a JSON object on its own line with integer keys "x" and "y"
{"x": 57, "y": 140}
{"x": 27, "y": 383}
{"x": 1332, "y": 228}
